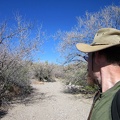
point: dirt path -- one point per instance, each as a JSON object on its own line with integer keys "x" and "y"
{"x": 50, "y": 103}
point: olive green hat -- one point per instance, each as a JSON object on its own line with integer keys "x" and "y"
{"x": 104, "y": 38}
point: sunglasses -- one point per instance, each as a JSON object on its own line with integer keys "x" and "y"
{"x": 86, "y": 57}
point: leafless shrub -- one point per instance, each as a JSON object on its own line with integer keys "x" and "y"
{"x": 43, "y": 71}
{"x": 84, "y": 31}
{"x": 16, "y": 47}
{"x": 75, "y": 79}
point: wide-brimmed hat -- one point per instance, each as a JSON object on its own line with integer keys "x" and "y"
{"x": 104, "y": 38}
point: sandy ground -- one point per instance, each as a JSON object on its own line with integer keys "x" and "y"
{"x": 49, "y": 102}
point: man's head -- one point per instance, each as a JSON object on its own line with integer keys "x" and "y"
{"x": 104, "y": 50}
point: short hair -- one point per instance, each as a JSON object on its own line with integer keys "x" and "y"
{"x": 112, "y": 54}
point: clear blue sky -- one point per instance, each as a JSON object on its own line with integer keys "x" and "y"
{"x": 53, "y": 15}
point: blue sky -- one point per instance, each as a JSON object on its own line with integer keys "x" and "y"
{"x": 53, "y": 15}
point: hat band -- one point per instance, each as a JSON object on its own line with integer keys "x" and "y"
{"x": 94, "y": 44}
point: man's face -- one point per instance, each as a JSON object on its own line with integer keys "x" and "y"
{"x": 93, "y": 70}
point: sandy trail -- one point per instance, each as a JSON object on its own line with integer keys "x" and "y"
{"x": 49, "y": 102}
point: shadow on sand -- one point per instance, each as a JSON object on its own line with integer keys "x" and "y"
{"x": 34, "y": 97}
{"x": 2, "y": 113}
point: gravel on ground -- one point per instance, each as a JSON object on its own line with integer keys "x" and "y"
{"x": 49, "y": 102}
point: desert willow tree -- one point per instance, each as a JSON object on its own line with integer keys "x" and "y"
{"x": 85, "y": 30}
{"x": 18, "y": 40}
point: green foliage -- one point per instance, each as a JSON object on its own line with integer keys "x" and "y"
{"x": 91, "y": 89}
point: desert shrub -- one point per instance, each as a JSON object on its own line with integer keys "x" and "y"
{"x": 14, "y": 78}
{"x": 17, "y": 44}
{"x": 58, "y": 72}
{"x": 76, "y": 76}
{"x": 43, "y": 71}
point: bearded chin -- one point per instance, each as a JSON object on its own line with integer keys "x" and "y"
{"x": 91, "y": 81}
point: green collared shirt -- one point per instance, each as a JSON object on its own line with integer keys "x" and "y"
{"x": 102, "y": 107}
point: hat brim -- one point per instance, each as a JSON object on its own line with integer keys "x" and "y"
{"x": 89, "y": 48}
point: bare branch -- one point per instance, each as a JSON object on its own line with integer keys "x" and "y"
{"x": 85, "y": 30}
